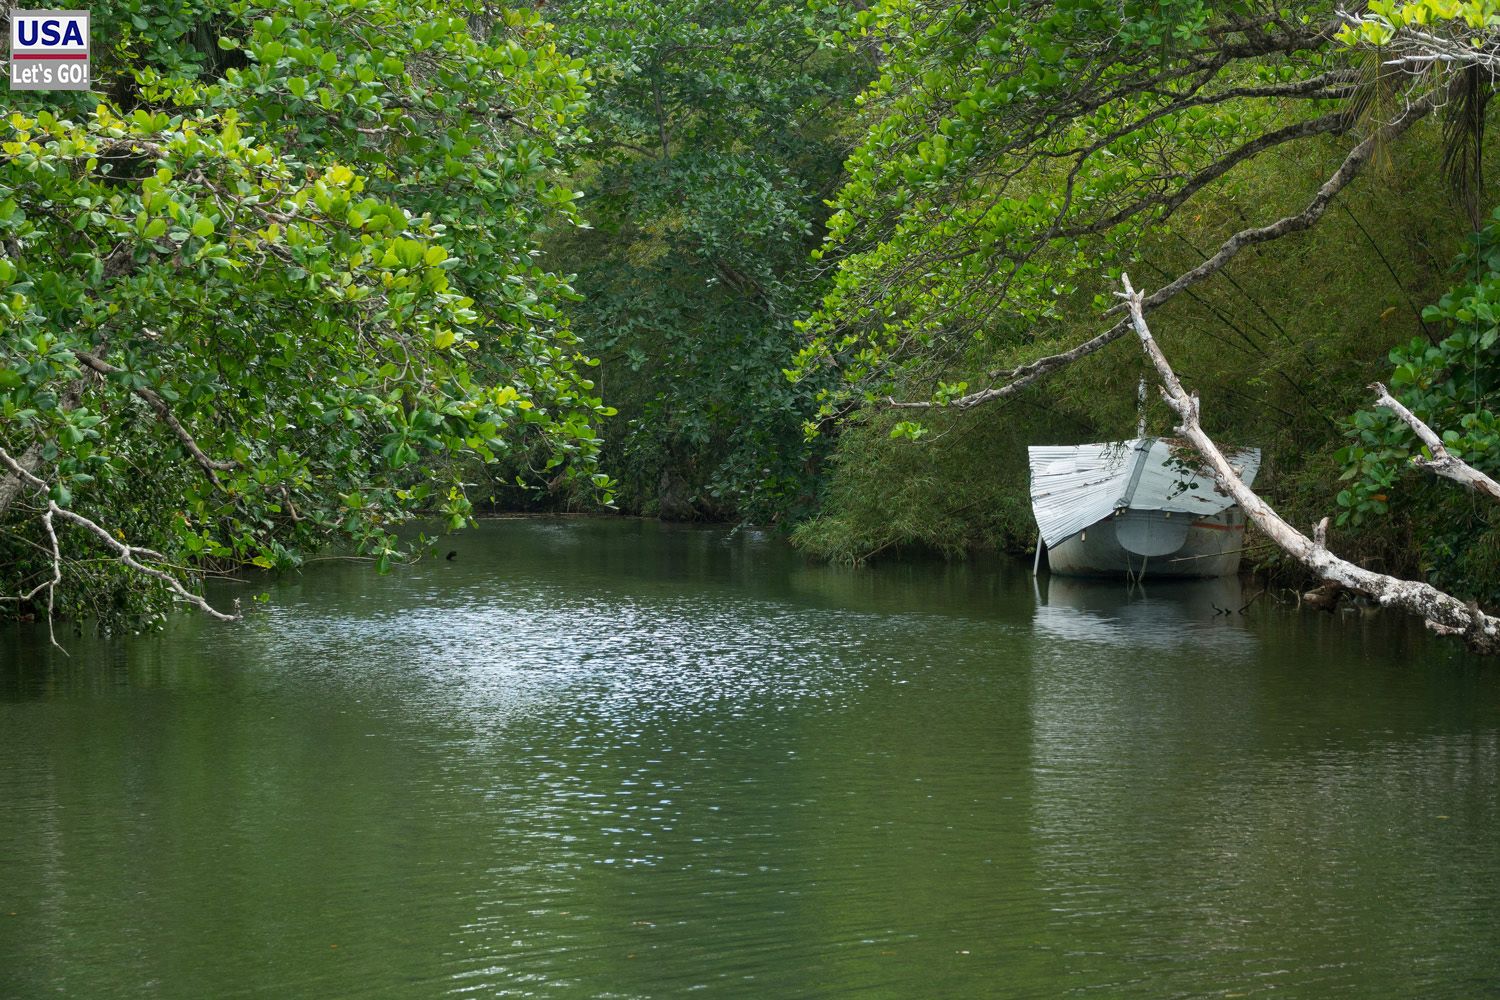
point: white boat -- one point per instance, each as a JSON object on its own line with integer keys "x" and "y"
{"x": 1138, "y": 506}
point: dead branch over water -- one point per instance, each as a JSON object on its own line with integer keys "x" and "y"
{"x": 1442, "y": 612}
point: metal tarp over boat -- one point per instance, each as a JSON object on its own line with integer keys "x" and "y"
{"x": 1075, "y": 486}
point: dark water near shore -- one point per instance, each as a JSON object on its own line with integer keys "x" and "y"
{"x": 616, "y": 759}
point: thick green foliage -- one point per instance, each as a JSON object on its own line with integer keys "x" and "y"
{"x": 1017, "y": 149}
{"x": 714, "y": 143}
{"x": 284, "y": 285}
{"x": 280, "y": 286}
{"x": 1020, "y": 155}
{"x": 1279, "y": 348}
{"x": 1451, "y": 381}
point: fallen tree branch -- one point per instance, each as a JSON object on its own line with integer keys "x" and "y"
{"x": 49, "y": 585}
{"x": 1442, "y": 463}
{"x": 1025, "y": 375}
{"x": 1443, "y": 613}
{"x": 130, "y": 555}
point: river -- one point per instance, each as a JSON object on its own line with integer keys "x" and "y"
{"x": 613, "y": 758}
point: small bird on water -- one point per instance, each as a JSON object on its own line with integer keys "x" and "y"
{"x": 452, "y": 555}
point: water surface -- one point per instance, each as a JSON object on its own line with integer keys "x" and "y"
{"x": 598, "y": 758}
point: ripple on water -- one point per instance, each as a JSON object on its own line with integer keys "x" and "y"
{"x": 616, "y": 760}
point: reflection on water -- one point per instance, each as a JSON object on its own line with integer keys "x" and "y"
{"x": 1208, "y": 614}
{"x": 616, "y": 759}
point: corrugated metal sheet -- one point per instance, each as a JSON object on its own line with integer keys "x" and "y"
{"x": 1074, "y": 486}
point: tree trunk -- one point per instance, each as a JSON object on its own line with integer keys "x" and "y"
{"x": 11, "y": 483}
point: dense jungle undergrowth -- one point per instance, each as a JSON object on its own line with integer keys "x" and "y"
{"x": 299, "y": 275}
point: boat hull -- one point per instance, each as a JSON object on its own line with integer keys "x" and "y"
{"x": 1211, "y": 547}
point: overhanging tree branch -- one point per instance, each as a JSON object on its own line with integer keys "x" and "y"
{"x": 130, "y": 555}
{"x": 1336, "y": 123}
{"x": 164, "y": 413}
{"x": 1451, "y": 42}
{"x": 1023, "y": 376}
{"x": 1442, "y": 612}
{"x": 1442, "y": 463}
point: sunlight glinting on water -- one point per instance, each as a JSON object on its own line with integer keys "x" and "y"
{"x": 607, "y": 759}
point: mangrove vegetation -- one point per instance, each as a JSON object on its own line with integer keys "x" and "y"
{"x": 332, "y": 276}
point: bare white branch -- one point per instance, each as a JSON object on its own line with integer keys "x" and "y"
{"x": 1443, "y": 613}
{"x": 1442, "y": 463}
{"x": 1417, "y": 51}
{"x": 130, "y": 555}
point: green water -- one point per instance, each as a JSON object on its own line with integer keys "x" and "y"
{"x": 615, "y": 759}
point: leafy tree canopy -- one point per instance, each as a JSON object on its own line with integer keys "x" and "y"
{"x": 1450, "y": 381}
{"x": 1017, "y": 150}
{"x": 281, "y": 284}
{"x": 715, "y": 140}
